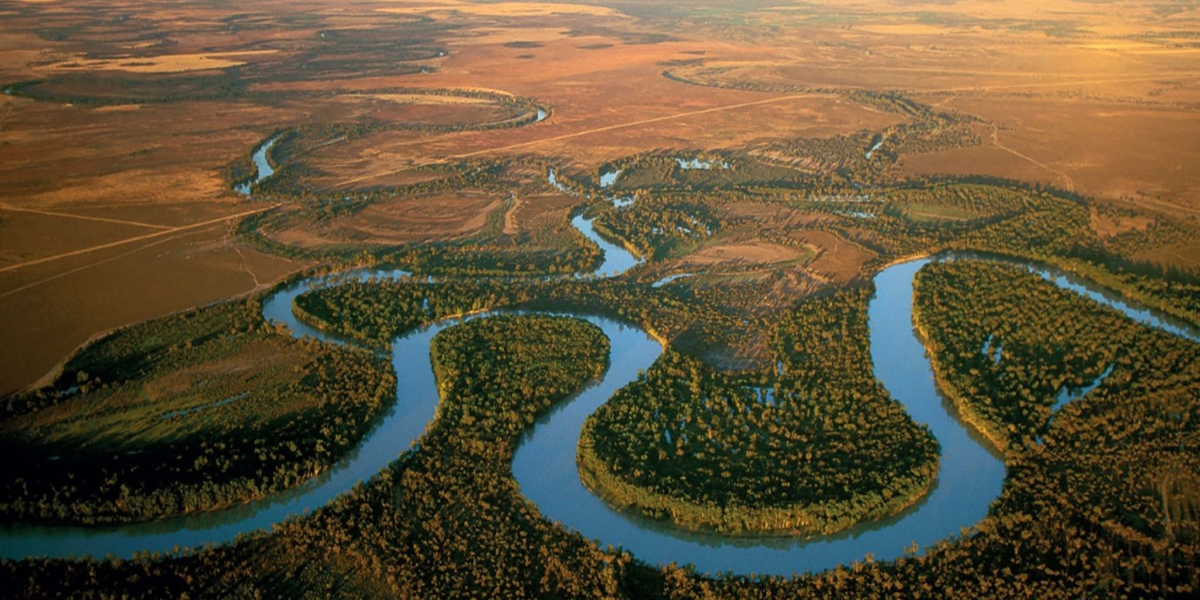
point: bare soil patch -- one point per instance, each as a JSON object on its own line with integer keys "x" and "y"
{"x": 739, "y": 254}
{"x": 29, "y": 236}
{"x": 1107, "y": 226}
{"x": 1106, "y": 150}
{"x": 837, "y": 259}
{"x": 438, "y": 217}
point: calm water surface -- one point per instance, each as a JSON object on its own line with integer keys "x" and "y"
{"x": 970, "y": 478}
{"x": 262, "y": 167}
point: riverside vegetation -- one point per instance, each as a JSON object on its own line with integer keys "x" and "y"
{"x": 447, "y": 518}
{"x": 381, "y": 538}
{"x": 1102, "y": 498}
{"x": 817, "y": 447}
{"x": 1009, "y": 366}
{"x": 187, "y": 413}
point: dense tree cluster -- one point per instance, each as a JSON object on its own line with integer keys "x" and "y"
{"x": 1107, "y": 506}
{"x": 375, "y": 312}
{"x": 202, "y": 410}
{"x": 816, "y": 447}
{"x": 1011, "y": 348}
{"x": 659, "y": 227}
{"x": 664, "y": 170}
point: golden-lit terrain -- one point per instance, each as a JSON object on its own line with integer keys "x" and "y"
{"x": 150, "y": 115}
{"x": 759, "y": 163}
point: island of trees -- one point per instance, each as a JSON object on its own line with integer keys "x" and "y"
{"x": 814, "y": 448}
{"x": 763, "y": 415}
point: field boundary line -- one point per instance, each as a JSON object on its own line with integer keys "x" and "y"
{"x": 131, "y": 240}
{"x": 997, "y": 143}
{"x": 57, "y": 276}
{"x": 576, "y": 134}
{"x": 51, "y": 213}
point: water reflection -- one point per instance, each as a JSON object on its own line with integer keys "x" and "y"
{"x": 970, "y": 478}
{"x": 262, "y": 166}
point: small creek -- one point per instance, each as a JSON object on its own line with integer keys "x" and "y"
{"x": 262, "y": 167}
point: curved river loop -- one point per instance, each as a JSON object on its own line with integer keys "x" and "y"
{"x": 971, "y": 471}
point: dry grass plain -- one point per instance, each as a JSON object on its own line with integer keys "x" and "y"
{"x": 117, "y": 209}
{"x": 443, "y": 216}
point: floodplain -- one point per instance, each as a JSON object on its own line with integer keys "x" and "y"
{"x": 734, "y": 182}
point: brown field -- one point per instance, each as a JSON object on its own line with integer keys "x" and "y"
{"x": 31, "y": 236}
{"x": 397, "y": 222}
{"x": 743, "y": 254}
{"x": 837, "y": 259}
{"x": 50, "y": 308}
{"x": 829, "y": 258}
{"x": 115, "y": 212}
{"x": 1107, "y": 226}
{"x": 1107, "y": 150}
{"x": 342, "y": 158}
{"x": 168, "y": 63}
{"x": 534, "y": 211}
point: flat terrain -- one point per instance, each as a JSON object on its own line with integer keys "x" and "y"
{"x": 384, "y": 223}
{"x": 115, "y": 160}
{"x": 1111, "y": 150}
{"x": 770, "y": 157}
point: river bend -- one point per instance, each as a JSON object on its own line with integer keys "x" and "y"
{"x": 970, "y": 478}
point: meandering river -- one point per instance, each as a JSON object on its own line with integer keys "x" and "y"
{"x": 970, "y": 477}
{"x": 262, "y": 166}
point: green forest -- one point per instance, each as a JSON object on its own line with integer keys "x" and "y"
{"x": 1009, "y": 364}
{"x": 194, "y": 412}
{"x": 447, "y": 519}
{"x": 814, "y": 448}
{"x": 763, "y": 415}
